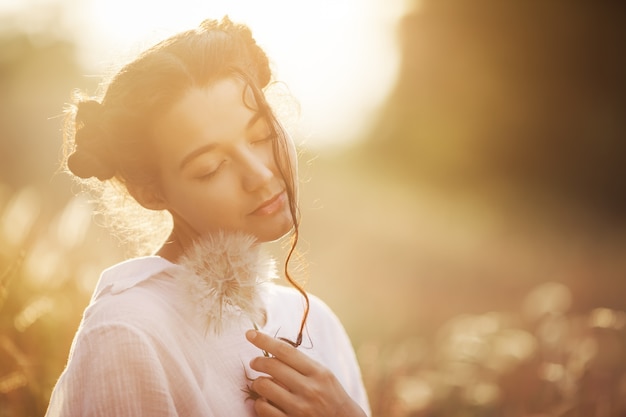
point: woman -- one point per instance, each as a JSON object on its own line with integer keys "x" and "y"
{"x": 185, "y": 129}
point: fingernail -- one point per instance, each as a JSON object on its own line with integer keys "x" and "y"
{"x": 251, "y": 334}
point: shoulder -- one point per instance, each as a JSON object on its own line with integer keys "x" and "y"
{"x": 282, "y": 298}
{"x": 130, "y": 322}
{"x": 138, "y": 293}
{"x": 128, "y": 274}
{"x": 113, "y": 369}
{"x": 286, "y": 307}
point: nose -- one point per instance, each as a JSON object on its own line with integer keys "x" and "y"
{"x": 256, "y": 171}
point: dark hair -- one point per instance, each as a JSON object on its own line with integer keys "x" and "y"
{"x": 110, "y": 136}
{"x": 108, "y": 139}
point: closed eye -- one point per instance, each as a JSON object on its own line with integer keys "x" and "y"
{"x": 268, "y": 138}
{"x": 212, "y": 173}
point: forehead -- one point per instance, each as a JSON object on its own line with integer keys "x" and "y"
{"x": 216, "y": 113}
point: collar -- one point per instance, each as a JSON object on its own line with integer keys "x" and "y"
{"x": 127, "y": 274}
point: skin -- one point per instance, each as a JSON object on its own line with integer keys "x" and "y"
{"x": 296, "y": 385}
{"x": 217, "y": 169}
{"x": 217, "y": 172}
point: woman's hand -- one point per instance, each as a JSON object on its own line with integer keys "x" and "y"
{"x": 296, "y": 385}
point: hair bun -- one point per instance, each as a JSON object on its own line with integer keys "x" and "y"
{"x": 86, "y": 165}
{"x": 91, "y": 156}
{"x": 88, "y": 112}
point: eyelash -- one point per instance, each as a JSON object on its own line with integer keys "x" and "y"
{"x": 270, "y": 137}
{"x": 212, "y": 173}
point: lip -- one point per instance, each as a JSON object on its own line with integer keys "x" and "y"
{"x": 271, "y": 205}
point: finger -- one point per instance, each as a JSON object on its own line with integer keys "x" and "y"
{"x": 275, "y": 394}
{"x": 264, "y": 409}
{"x": 279, "y": 371}
{"x": 283, "y": 351}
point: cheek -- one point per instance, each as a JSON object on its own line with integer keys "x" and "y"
{"x": 199, "y": 201}
{"x": 180, "y": 196}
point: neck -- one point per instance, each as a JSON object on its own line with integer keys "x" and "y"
{"x": 171, "y": 249}
{"x": 181, "y": 238}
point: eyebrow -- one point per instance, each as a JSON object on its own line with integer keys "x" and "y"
{"x": 211, "y": 146}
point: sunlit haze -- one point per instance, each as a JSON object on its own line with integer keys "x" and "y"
{"x": 338, "y": 58}
{"x": 461, "y": 189}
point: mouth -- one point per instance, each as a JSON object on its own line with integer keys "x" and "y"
{"x": 271, "y": 205}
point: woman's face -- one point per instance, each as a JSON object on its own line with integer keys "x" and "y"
{"x": 217, "y": 165}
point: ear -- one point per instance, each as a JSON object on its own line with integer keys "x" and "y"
{"x": 148, "y": 195}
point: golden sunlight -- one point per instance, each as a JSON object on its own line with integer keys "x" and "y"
{"x": 338, "y": 58}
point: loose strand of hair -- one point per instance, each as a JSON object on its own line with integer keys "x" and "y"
{"x": 291, "y": 190}
{"x": 298, "y": 287}
{"x": 262, "y": 105}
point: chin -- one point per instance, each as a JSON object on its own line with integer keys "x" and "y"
{"x": 276, "y": 234}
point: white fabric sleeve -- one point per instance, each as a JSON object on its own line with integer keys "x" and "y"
{"x": 114, "y": 370}
{"x": 343, "y": 359}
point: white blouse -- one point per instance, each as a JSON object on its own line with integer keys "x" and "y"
{"x": 141, "y": 351}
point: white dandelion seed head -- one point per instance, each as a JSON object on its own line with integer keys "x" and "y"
{"x": 224, "y": 277}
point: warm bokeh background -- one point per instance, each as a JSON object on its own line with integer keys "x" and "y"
{"x": 471, "y": 237}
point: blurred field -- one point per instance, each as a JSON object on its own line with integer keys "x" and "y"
{"x": 472, "y": 243}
